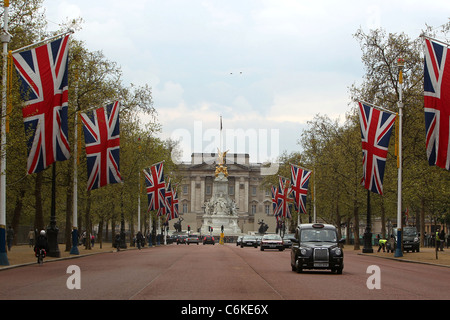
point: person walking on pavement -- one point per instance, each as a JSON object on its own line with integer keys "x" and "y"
{"x": 442, "y": 239}
{"x": 9, "y": 237}
{"x": 117, "y": 241}
{"x": 437, "y": 243}
{"x": 139, "y": 239}
{"x": 31, "y": 238}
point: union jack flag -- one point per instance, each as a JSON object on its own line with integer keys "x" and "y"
{"x": 165, "y": 210}
{"x": 42, "y": 74}
{"x": 437, "y": 103}
{"x": 376, "y": 129}
{"x": 172, "y": 202}
{"x": 156, "y": 187}
{"x": 284, "y": 198}
{"x": 300, "y": 180}
{"x": 101, "y": 134}
{"x": 274, "y": 199}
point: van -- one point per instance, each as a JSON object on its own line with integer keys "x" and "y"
{"x": 411, "y": 240}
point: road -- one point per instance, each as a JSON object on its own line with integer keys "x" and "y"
{"x": 219, "y": 272}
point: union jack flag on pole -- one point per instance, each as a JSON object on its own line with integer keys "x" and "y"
{"x": 156, "y": 186}
{"x": 165, "y": 210}
{"x": 101, "y": 135}
{"x": 437, "y": 103}
{"x": 171, "y": 202}
{"x": 43, "y": 81}
{"x": 300, "y": 180}
{"x": 376, "y": 129}
{"x": 274, "y": 199}
{"x": 284, "y": 198}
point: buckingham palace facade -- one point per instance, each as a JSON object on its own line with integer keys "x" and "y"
{"x": 254, "y": 204}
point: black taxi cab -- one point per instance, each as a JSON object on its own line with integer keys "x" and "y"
{"x": 316, "y": 246}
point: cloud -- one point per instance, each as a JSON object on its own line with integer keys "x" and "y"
{"x": 297, "y": 58}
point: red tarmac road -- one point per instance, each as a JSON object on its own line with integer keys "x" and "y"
{"x": 219, "y": 272}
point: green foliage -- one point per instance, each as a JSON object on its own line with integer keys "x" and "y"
{"x": 94, "y": 82}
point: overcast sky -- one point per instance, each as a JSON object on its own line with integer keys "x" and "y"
{"x": 266, "y": 67}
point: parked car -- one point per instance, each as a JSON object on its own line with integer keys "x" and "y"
{"x": 181, "y": 239}
{"x": 239, "y": 240}
{"x": 193, "y": 238}
{"x": 249, "y": 241}
{"x": 410, "y": 239}
{"x": 272, "y": 241}
{"x": 316, "y": 246}
{"x": 170, "y": 239}
{"x": 208, "y": 240}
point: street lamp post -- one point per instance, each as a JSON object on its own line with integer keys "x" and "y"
{"x": 398, "y": 249}
{"x": 367, "y": 233}
{"x": 52, "y": 230}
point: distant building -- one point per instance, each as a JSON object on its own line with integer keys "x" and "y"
{"x": 254, "y": 204}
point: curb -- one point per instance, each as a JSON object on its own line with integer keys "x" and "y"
{"x": 71, "y": 257}
{"x": 404, "y": 260}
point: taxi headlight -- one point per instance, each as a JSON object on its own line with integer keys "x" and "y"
{"x": 338, "y": 251}
{"x": 303, "y": 251}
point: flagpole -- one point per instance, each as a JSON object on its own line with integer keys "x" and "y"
{"x": 139, "y": 201}
{"x": 314, "y": 200}
{"x": 398, "y": 249}
{"x": 5, "y": 38}
{"x": 377, "y": 107}
{"x": 43, "y": 41}
{"x": 74, "y": 249}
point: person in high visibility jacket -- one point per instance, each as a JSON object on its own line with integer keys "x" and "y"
{"x": 382, "y": 244}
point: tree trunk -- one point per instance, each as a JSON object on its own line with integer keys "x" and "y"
{"x": 383, "y": 220}
{"x": 100, "y": 232}
{"x": 39, "y": 216}
{"x": 422, "y": 222}
{"x": 356, "y": 225}
{"x": 17, "y": 213}
{"x": 88, "y": 222}
{"x": 69, "y": 212}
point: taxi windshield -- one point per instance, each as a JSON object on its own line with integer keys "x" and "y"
{"x": 318, "y": 235}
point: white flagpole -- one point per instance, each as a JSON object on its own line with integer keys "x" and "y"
{"x": 5, "y": 38}
{"x": 398, "y": 250}
{"x": 139, "y": 201}
{"x": 74, "y": 249}
{"x": 314, "y": 200}
{"x": 43, "y": 41}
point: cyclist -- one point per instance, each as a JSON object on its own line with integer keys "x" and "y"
{"x": 41, "y": 243}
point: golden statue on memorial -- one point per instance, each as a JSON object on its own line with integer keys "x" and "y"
{"x": 221, "y": 161}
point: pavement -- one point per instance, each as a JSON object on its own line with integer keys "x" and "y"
{"x": 425, "y": 256}
{"x": 24, "y": 255}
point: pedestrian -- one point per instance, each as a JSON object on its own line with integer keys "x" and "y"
{"x": 391, "y": 244}
{"x": 442, "y": 239}
{"x": 139, "y": 240}
{"x": 9, "y": 237}
{"x": 436, "y": 239}
{"x": 92, "y": 240}
{"x": 31, "y": 238}
{"x": 117, "y": 241}
{"x": 382, "y": 244}
{"x": 448, "y": 241}
{"x": 83, "y": 238}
